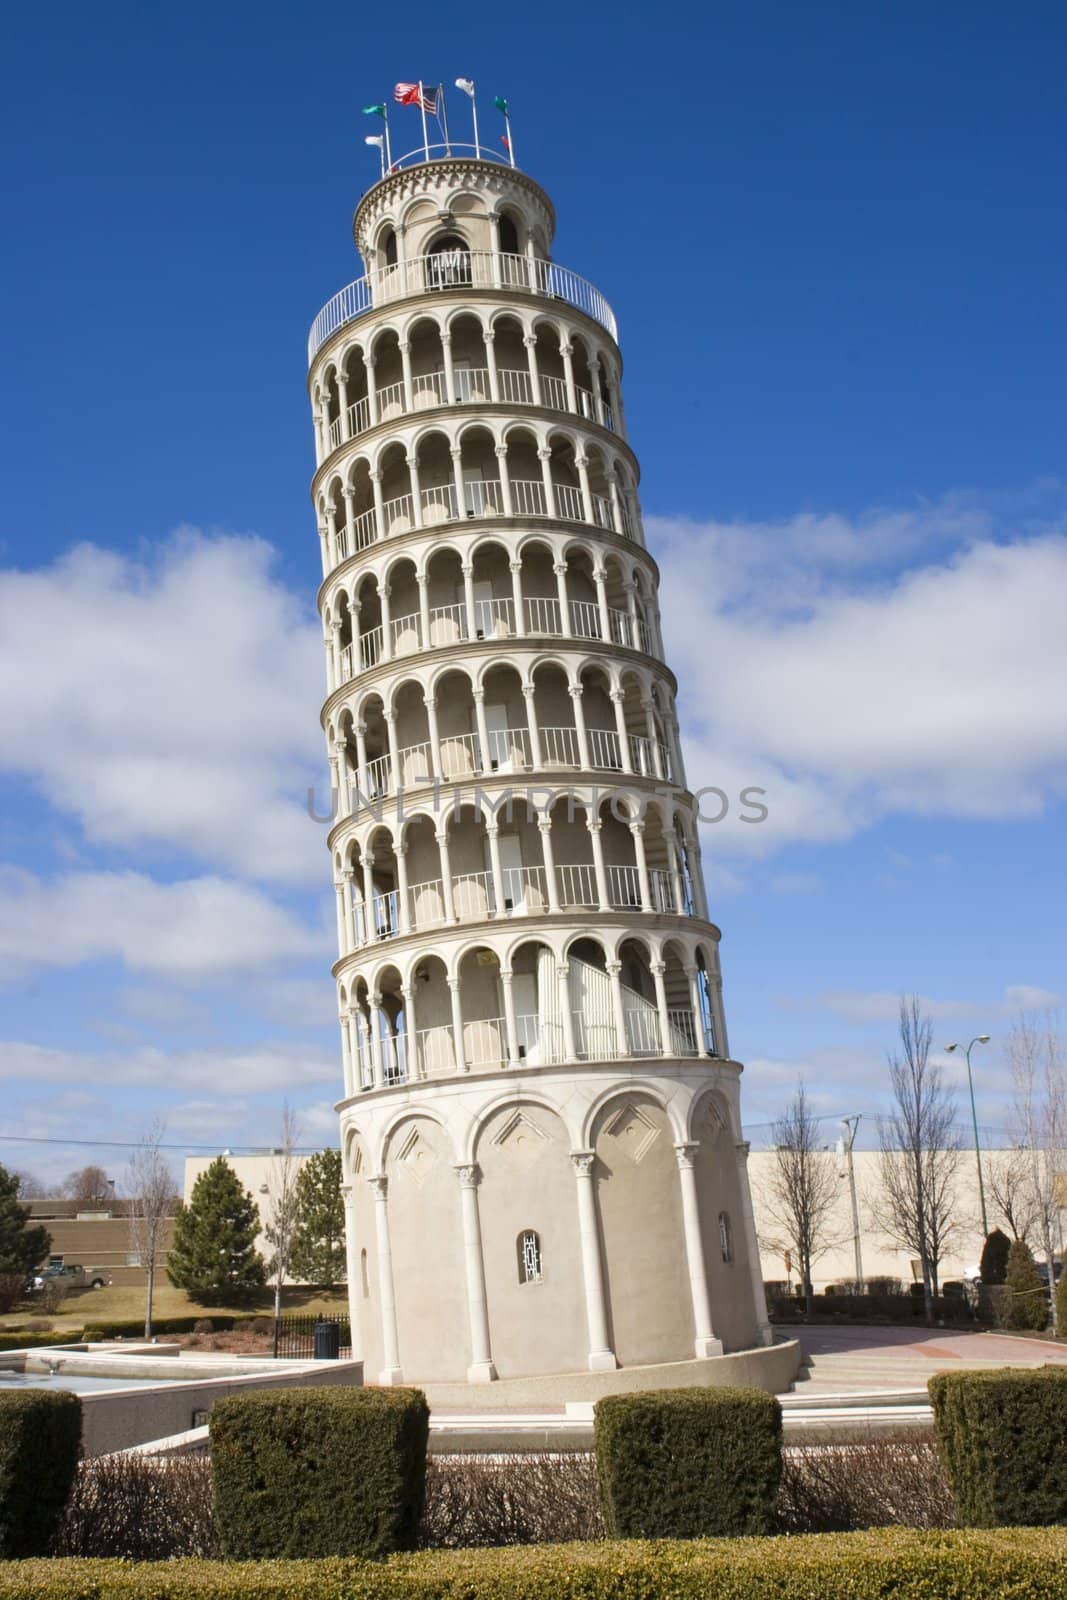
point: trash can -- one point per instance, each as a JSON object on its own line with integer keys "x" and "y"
{"x": 327, "y": 1341}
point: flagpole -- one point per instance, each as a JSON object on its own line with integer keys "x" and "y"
{"x": 388, "y": 147}
{"x": 422, "y": 113}
{"x": 474, "y": 113}
{"x": 507, "y": 129}
{"x": 443, "y": 118}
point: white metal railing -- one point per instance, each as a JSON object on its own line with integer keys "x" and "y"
{"x": 471, "y": 385}
{"x": 348, "y": 669}
{"x": 569, "y": 504}
{"x": 642, "y": 1032}
{"x": 641, "y": 757}
{"x": 542, "y": 615}
{"x": 594, "y": 1040}
{"x": 385, "y": 915}
{"x": 509, "y": 748}
{"x": 620, "y": 626}
{"x": 358, "y": 417}
{"x": 560, "y": 746}
{"x": 439, "y": 504}
{"x": 577, "y": 886}
{"x": 608, "y": 418}
{"x": 493, "y": 618}
{"x": 538, "y": 1037}
{"x": 602, "y": 513}
{"x": 415, "y": 763}
{"x": 528, "y": 497}
{"x": 394, "y": 1058}
{"x": 447, "y": 624}
{"x": 398, "y": 515}
{"x": 644, "y": 636}
{"x": 435, "y": 1051}
{"x": 555, "y": 392}
{"x": 377, "y": 777}
{"x": 472, "y": 895}
{"x": 604, "y": 748}
{"x": 485, "y": 1042}
{"x": 477, "y": 269}
{"x": 370, "y": 648}
{"x": 585, "y": 619}
{"x": 333, "y": 433}
{"x": 684, "y": 1035}
{"x": 405, "y": 633}
{"x": 428, "y": 389}
{"x": 392, "y": 401}
{"x": 524, "y": 889}
{"x": 515, "y": 386}
{"x": 427, "y": 903}
{"x": 482, "y": 496}
{"x": 624, "y": 888}
{"x": 586, "y": 403}
{"x": 460, "y": 755}
{"x": 662, "y": 888}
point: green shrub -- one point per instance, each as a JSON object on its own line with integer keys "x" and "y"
{"x": 319, "y": 1472}
{"x": 685, "y": 1463}
{"x": 994, "y": 1262}
{"x": 35, "y": 1341}
{"x": 1028, "y": 1564}
{"x": 40, "y": 1438}
{"x": 1029, "y": 1297}
{"x": 133, "y": 1327}
{"x": 1001, "y": 1436}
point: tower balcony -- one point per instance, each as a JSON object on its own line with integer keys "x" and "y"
{"x": 458, "y": 272}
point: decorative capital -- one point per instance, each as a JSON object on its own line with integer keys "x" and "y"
{"x": 613, "y": 968}
{"x": 530, "y": 341}
{"x": 412, "y": 462}
{"x": 375, "y": 999}
{"x": 478, "y": 695}
{"x": 544, "y": 454}
{"x": 468, "y": 1176}
{"x": 581, "y": 461}
{"x": 686, "y": 1154}
{"x": 559, "y": 568}
{"x": 514, "y": 566}
{"x": 637, "y": 826}
{"x": 582, "y": 1161}
{"x": 489, "y": 336}
{"x": 566, "y": 349}
{"x": 380, "y": 1184}
{"x": 430, "y": 702}
{"x": 501, "y": 452}
{"x": 376, "y": 475}
{"x": 348, "y": 874}
{"x": 657, "y": 968}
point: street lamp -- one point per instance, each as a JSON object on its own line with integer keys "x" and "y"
{"x": 982, "y": 1038}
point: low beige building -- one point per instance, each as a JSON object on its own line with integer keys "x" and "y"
{"x": 259, "y": 1173}
{"x": 881, "y": 1256}
{"x": 96, "y": 1237}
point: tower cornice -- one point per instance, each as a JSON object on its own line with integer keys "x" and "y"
{"x": 434, "y": 176}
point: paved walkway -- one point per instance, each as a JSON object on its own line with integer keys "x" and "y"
{"x": 900, "y": 1360}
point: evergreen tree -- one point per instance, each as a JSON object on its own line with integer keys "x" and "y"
{"x": 1029, "y": 1298}
{"x": 994, "y": 1264}
{"x": 319, "y": 1246}
{"x": 21, "y": 1247}
{"x": 214, "y": 1255}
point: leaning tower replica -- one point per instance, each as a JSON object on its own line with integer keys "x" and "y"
{"x": 544, "y": 1169}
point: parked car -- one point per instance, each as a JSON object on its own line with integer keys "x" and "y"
{"x": 77, "y": 1277}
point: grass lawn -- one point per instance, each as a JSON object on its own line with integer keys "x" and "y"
{"x": 82, "y": 1307}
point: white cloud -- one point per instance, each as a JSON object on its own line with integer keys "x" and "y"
{"x": 261, "y": 1069}
{"x": 1029, "y": 997}
{"x": 196, "y": 928}
{"x": 848, "y": 689}
{"x": 174, "y": 703}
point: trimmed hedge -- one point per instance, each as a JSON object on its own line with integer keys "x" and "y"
{"x": 1030, "y": 1564}
{"x": 133, "y": 1327}
{"x": 850, "y": 1307}
{"x": 40, "y": 1441}
{"x": 35, "y": 1341}
{"x": 1002, "y": 1438}
{"x": 319, "y": 1472}
{"x": 688, "y": 1463}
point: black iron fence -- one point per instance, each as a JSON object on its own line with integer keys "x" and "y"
{"x": 296, "y": 1338}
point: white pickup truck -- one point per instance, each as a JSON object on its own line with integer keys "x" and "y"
{"x": 77, "y": 1277}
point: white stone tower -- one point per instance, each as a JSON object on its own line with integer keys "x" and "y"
{"x": 540, "y": 1124}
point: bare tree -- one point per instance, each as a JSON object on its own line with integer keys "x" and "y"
{"x": 153, "y": 1197}
{"x": 803, "y": 1187}
{"x": 920, "y": 1152}
{"x": 89, "y": 1185}
{"x": 1039, "y": 1114}
{"x": 281, "y": 1208}
{"x": 1008, "y": 1180}
{"x": 30, "y": 1186}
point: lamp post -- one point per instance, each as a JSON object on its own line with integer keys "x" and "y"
{"x": 982, "y": 1038}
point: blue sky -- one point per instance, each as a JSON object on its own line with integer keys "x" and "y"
{"x": 834, "y": 241}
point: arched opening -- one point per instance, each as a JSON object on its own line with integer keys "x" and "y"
{"x": 427, "y": 364}
{"x": 554, "y": 715}
{"x": 620, "y": 859}
{"x": 470, "y": 374}
{"x": 504, "y": 709}
{"x": 484, "y": 1031}
{"x": 384, "y": 910}
{"x": 540, "y": 590}
{"x": 685, "y": 1032}
{"x": 494, "y": 608}
{"x": 473, "y": 896}
{"x": 392, "y": 1026}
{"x": 601, "y": 732}
{"x": 528, "y": 1252}
{"x": 482, "y": 496}
{"x": 388, "y": 376}
{"x": 457, "y": 726}
{"x": 396, "y": 490}
{"x": 512, "y": 367}
{"x": 551, "y": 371}
{"x": 640, "y": 1010}
{"x": 437, "y": 490}
{"x": 425, "y": 885}
{"x": 448, "y": 263}
{"x": 432, "y": 1008}
{"x": 583, "y": 606}
{"x": 403, "y": 589}
{"x": 509, "y": 235}
{"x": 523, "y": 887}
{"x": 413, "y": 757}
{"x": 589, "y": 989}
{"x": 367, "y": 623}
{"x": 445, "y": 598}
{"x": 535, "y": 991}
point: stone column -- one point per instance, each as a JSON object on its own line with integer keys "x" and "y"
{"x": 560, "y": 569}
{"x": 370, "y": 362}
{"x": 658, "y": 968}
{"x": 352, "y": 1273}
{"x": 375, "y": 1001}
{"x": 544, "y": 827}
{"x": 637, "y": 834}
{"x": 530, "y": 341}
{"x": 344, "y": 795}
{"x": 467, "y": 569}
{"x": 409, "y": 387}
{"x": 346, "y": 899}
{"x": 698, "y": 1010}
{"x": 484, "y": 761}
{"x": 600, "y": 578}
{"x": 509, "y": 1016}
{"x": 496, "y": 870}
{"x": 766, "y": 1332}
{"x": 346, "y": 1054}
{"x": 718, "y": 1013}
{"x": 411, "y": 1065}
{"x": 704, "y": 1340}
{"x": 342, "y": 395}
{"x": 403, "y": 908}
{"x": 594, "y": 826}
{"x": 423, "y": 581}
{"x": 490, "y": 361}
{"x": 515, "y": 567}
{"x": 362, "y": 778}
{"x": 457, "y": 1025}
{"x": 622, "y": 1041}
{"x": 579, "y": 727}
{"x": 570, "y": 1052}
{"x": 618, "y": 699}
{"x": 505, "y": 479}
{"x": 567, "y": 353}
{"x": 450, "y": 376}
{"x": 601, "y": 1355}
{"x": 441, "y": 835}
{"x": 379, "y": 506}
{"x": 435, "y": 738}
{"x": 582, "y": 463}
{"x": 331, "y": 531}
{"x": 457, "y": 480}
{"x": 675, "y": 870}
{"x": 391, "y": 1372}
{"x": 544, "y": 455}
{"x": 481, "y": 1369}
{"x": 528, "y": 693}
{"x": 416, "y": 491}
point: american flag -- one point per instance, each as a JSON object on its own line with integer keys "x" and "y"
{"x": 407, "y": 94}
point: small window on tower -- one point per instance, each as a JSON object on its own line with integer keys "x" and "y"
{"x": 449, "y": 264}
{"x": 388, "y": 245}
{"x": 726, "y": 1239}
{"x": 529, "y": 1253}
{"x": 509, "y": 236}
